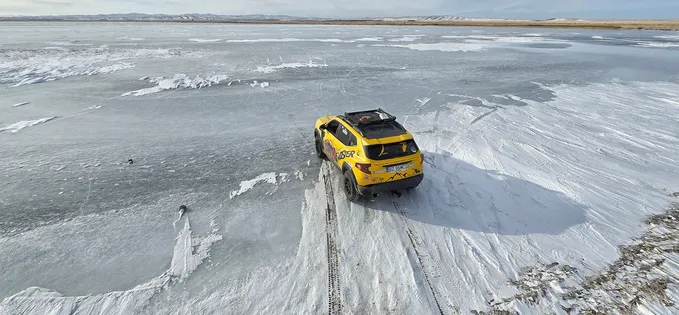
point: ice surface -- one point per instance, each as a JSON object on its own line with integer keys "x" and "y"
{"x": 532, "y": 156}
{"x": 16, "y": 127}
{"x": 506, "y": 39}
{"x": 449, "y": 47}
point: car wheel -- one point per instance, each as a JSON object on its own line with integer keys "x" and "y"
{"x": 349, "y": 186}
{"x": 319, "y": 147}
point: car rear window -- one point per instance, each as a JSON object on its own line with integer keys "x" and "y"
{"x": 391, "y": 150}
{"x": 384, "y": 130}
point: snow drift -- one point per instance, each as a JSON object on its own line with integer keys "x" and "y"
{"x": 22, "y": 67}
{"x": 294, "y": 65}
{"x": 16, "y": 127}
{"x": 189, "y": 253}
{"x": 179, "y": 81}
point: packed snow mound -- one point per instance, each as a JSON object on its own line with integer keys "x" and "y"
{"x": 447, "y": 47}
{"x": 189, "y": 253}
{"x": 179, "y": 81}
{"x": 270, "y": 69}
{"x": 16, "y": 127}
{"x": 21, "y": 67}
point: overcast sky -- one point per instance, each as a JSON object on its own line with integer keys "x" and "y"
{"x": 532, "y": 9}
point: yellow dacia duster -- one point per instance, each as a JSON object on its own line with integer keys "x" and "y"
{"x": 375, "y": 153}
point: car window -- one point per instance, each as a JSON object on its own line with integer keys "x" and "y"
{"x": 345, "y": 136}
{"x": 332, "y": 127}
{"x": 391, "y": 150}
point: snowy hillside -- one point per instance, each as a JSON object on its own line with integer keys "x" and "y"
{"x": 169, "y": 169}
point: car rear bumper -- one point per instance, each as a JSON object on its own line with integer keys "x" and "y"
{"x": 389, "y": 186}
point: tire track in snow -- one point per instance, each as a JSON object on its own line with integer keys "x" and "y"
{"x": 420, "y": 258}
{"x": 334, "y": 293}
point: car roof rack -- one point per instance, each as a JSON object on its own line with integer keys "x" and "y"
{"x": 369, "y": 117}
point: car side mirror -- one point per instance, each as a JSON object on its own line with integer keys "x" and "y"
{"x": 322, "y": 127}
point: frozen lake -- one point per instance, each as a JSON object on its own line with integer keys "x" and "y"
{"x": 543, "y": 146}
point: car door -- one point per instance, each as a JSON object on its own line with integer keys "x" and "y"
{"x": 330, "y": 142}
{"x": 347, "y": 144}
{"x": 337, "y": 142}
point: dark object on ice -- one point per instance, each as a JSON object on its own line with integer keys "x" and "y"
{"x": 676, "y": 194}
{"x": 397, "y": 193}
{"x": 182, "y": 208}
{"x": 130, "y": 161}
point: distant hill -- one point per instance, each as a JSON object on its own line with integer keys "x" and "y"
{"x": 164, "y": 17}
{"x": 215, "y": 17}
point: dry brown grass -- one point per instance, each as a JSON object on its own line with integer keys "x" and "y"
{"x": 672, "y": 25}
{"x": 639, "y": 275}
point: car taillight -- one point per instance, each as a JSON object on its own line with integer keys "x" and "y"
{"x": 363, "y": 167}
{"x": 421, "y": 158}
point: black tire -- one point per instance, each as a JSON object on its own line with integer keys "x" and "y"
{"x": 319, "y": 146}
{"x": 349, "y": 186}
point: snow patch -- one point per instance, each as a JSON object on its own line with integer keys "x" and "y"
{"x": 262, "y": 84}
{"x": 61, "y": 43}
{"x": 201, "y": 40}
{"x": 184, "y": 261}
{"x": 657, "y": 44}
{"x": 130, "y": 38}
{"x": 271, "y": 69}
{"x": 178, "y": 81}
{"x": 406, "y": 38}
{"x": 14, "y": 128}
{"x": 447, "y": 47}
{"x": 369, "y": 39}
{"x": 249, "y": 184}
{"x": 20, "y": 104}
{"x": 670, "y": 37}
{"x": 265, "y": 178}
{"x": 423, "y": 101}
{"x": 283, "y": 178}
{"x": 292, "y": 39}
{"x": 189, "y": 252}
{"x": 504, "y": 39}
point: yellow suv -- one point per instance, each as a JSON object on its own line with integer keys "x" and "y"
{"x": 375, "y": 153}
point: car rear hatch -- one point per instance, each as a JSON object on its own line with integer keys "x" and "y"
{"x": 395, "y": 157}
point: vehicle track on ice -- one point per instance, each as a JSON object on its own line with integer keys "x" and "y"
{"x": 420, "y": 259}
{"x": 334, "y": 293}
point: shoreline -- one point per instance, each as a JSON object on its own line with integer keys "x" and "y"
{"x": 657, "y": 25}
